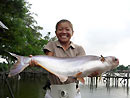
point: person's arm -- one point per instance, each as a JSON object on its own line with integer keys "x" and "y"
{"x": 49, "y": 53}
{"x": 49, "y": 49}
{"x": 81, "y": 51}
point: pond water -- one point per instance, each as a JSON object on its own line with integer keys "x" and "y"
{"x": 105, "y": 89}
{"x": 104, "y": 92}
{"x": 27, "y": 87}
{"x": 33, "y": 88}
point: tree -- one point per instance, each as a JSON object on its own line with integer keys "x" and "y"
{"x": 122, "y": 67}
{"x": 23, "y": 36}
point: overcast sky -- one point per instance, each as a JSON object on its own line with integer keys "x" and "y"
{"x": 100, "y": 26}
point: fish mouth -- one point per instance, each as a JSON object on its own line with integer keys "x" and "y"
{"x": 115, "y": 65}
{"x": 117, "y": 61}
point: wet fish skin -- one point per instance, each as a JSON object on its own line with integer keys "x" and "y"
{"x": 63, "y": 67}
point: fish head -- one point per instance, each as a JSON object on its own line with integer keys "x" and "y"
{"x": 113, "y": 61}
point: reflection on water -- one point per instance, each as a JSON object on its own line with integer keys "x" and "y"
{"x": 26, "y": 87}
{"x": 103, "y": 92}
{"x": 104, "y": 89}
{"x": 30, "y": 87}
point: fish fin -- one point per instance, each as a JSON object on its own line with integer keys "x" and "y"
{"x": 102, "y": 58}
{"x": 62, "y": 78}
{"x": 78, "y": 74}
{"x": 15, "y": 55}
{"x": 45, "y": 68}
{"x": 81, "y": 79}
{"x": 20, "y": 65}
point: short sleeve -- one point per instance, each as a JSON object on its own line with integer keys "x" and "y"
{"x": 81, "y": 51}
{"x": 49, "y": 47}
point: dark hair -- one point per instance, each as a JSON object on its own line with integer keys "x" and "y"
{"x": 64, "y": 20}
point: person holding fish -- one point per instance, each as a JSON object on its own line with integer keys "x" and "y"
{"x": 66, "y": 63}
{"x": 63, "y": 47}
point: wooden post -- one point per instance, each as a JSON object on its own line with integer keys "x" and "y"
{"x": 117, "y": 81}
{"x": 112, "y": 81}
{"x": 128, "y": 79}
{"x": 8, "y": 85}
{"x": 96, "y": 81}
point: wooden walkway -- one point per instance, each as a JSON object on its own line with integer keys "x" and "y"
{"x": 113, "y": 77}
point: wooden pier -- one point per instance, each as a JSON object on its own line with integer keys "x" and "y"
{"x": 112, "y": 79}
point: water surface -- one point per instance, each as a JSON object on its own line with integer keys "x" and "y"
{"x": 33, "y": 88}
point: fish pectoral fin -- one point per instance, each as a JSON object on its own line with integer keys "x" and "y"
{"x": 81, "y": 79}
{"x": 62, "y": 78}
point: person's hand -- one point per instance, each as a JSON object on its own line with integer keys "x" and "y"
{"x": 32, "y": 62}
{"x": 71, "y": 79}
{"x": 94, "y": 74}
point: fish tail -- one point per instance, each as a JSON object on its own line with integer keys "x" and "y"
{"x": 20, "y": 65}
{"x": 15, "y": 55}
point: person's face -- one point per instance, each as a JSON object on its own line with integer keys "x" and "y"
{"x": 64, "y": 32}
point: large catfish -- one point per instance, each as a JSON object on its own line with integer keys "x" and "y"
{"x": 77, "y": 67}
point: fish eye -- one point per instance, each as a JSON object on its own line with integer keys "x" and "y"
{"x": 116, "y": 59}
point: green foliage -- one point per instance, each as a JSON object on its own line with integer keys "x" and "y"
{"x": 23, "y": 36}
{"x": 121, "y": 68}
{"x": 47, "y": 37}
{"x": 3, "y": 66}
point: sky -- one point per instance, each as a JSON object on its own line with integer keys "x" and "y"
{"x": 101, "y": 27}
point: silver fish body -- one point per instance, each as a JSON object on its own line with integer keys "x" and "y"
{"x": 64, "y": 67}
